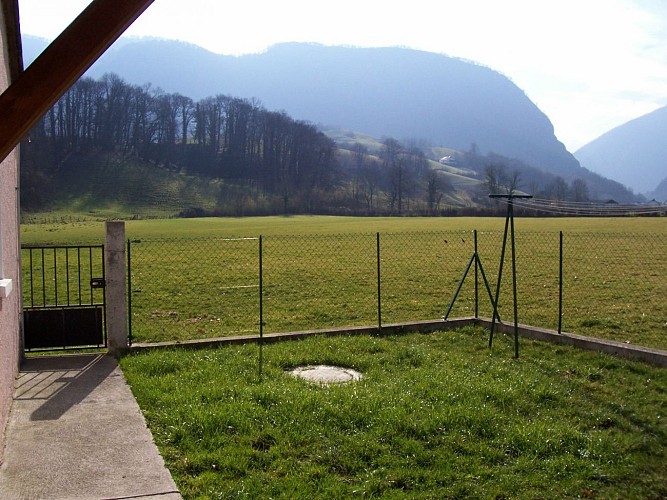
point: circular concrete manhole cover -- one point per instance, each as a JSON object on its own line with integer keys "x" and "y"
{"x": 326, "y": 374}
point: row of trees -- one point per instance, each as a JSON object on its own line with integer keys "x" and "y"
{"x": 498, "y": 180}
{"x": 263, "y": 153}
{"x": 397, "y": 178}
{"x": 221, "y": 137}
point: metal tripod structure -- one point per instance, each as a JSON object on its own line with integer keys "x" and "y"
{"x": 509, "y": 229}
{"x": 509, "y": 221}
{"x": 478, "y": 266}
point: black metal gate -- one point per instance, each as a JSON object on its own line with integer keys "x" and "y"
{"x": 63, "y": 297}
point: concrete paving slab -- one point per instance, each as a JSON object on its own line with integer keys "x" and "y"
{"x": 75, "y": 431}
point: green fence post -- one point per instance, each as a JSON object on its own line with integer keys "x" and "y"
{"x": 560, "y": 285}
{"x": 500, "y": 277}
{"x": 476, "y": 276}
{"x": 129, "y": 295}
{"x": 261, "y": 310}
{"x": 516, "y": 309}
{"x": 378, "y": 280}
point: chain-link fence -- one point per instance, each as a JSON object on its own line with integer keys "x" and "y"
{"x": 613, "y": 285}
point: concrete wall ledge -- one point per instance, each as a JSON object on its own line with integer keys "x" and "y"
{"x": 654, "y": 357}
{"x": 633, "y": 352}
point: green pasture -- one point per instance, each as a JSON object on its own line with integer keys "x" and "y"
{"x": 199, "y": 278}
{"x": 65, "y": 229}
{"x": 434, "y": 416}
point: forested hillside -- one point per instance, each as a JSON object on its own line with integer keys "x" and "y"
{"x": 107, "y": 143}
{"x": 220, "y": 137}
{"x": 111, "y": 145}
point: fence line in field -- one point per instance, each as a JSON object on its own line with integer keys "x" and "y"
{"x": 613, "y": 285}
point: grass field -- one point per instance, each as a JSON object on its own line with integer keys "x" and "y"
{"x": 434, "y": 416}
{"x": 92, "y": 231}
{"x": 198, "y": 278}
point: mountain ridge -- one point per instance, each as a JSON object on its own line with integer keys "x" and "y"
{"x": 359, "y": 89}
{"x": 633, "y": 153}
{"x": 394, "y": 92}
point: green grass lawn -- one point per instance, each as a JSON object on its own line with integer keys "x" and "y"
{"x": 434, "y": 416}
{"x": 83, "y": 230}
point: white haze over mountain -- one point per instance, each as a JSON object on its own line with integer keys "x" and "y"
{"x": 590, "y": 66}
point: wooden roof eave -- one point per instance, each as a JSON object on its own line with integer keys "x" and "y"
{"x": 61, "y": 64}
{"x": 10, "y": 14}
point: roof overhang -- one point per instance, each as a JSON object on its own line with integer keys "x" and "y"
{"x": 12, "y": 34}
{"x": 62, "y": 63}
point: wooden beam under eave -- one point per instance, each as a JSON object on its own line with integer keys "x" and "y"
{"x": 10, "y": 14}
{"x": 61, "y": 64}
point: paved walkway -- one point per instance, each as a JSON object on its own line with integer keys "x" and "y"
{"x": 75, "y": 432}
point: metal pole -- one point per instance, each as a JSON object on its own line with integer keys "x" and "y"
{"x": 516, "y": 316}
{"x": 458, "y": 289}
{"x": 487, "y": 286}
{"x": 378, "y": 280}
{"x": 560, "y": 286}
{"x": 261, "y": 309}
{"x": 67, "y": 274}
{"x": 129, "y": 293}
{"x": 32, "y": 285}
{"x": 510, "y": 217}
{"x": 43, "y": 279}
{"x": 476, "y": 276}
{"x": 500, "y": 275}
{"x": 78, "y": 267}
{"x": 55, "y": 277}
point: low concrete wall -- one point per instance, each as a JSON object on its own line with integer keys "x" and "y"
{"x": 655, "y": 357}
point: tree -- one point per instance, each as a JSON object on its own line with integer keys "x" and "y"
{"x": 498, "y": 182}
{"x": 359, "y": 152}
{"x": 434, "y": 193}
{"x": 370, "y": 177}
{"x": 495, "y": 178}
{"x": 514, "y": 182}
{"x": 579, "y": 190}
{"x": 558, "y": 189}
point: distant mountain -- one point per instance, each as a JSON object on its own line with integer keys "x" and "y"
{"x": 380, "y": 91}
{"x": 383, "y": 92}
{"x": 634, "y": 153}
{"x": 660, "y": 193}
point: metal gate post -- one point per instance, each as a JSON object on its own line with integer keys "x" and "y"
{"x": 116, "y": 287}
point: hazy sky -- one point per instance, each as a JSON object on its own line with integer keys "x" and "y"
{"x": 590, "y": 65}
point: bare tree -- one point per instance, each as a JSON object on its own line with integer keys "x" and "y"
{"x": 558, "y": 189}
{"x": 514, "y": 182}
{"x": 434, "y": 193}
{"x": 495, "y": 178}
{"x": 579, "y": 190}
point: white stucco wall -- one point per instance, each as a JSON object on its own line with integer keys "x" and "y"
{"x": 9, "y": 253}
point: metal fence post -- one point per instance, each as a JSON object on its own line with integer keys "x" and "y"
{"x": 129, "y": 294}
{"x": 500, "y": 276}
{"x": 261, "y": 309}
{"x": 476, "y": 276}
{"x": 514, "y": 294}
{"x": 378, "y": 280}
{"x": 560, "y": 285}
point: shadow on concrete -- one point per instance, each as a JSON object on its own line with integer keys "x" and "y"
{"x": 75, "y": 431}
{"x": 61, "y": 382}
